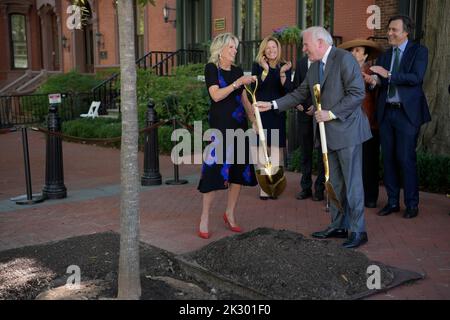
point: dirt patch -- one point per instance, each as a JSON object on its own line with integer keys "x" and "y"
{"x": 285, "y": 265}
{"x": 26, "y": 272}
{"x": 274, "y": 264}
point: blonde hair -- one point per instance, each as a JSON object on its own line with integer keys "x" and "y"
{"x": 263, "y": 46}
{"x": 221, "y": 41}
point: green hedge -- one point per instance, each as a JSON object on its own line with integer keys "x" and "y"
{"x": 433, "y": 170}
{"x": 72, "y": 81}
{"x": 191, "y": 95}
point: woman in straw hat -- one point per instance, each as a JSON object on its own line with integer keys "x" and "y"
{"x": 365, "y": 51}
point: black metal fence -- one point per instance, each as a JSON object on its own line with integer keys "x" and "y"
{"x": 164, "y": 62}
{"x": 33, "y": 108}
{"x": 108, "y": 93}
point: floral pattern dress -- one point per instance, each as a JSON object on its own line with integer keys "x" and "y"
{"x": 219, "y": 169}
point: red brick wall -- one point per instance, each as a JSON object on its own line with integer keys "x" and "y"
{"x": 275, "y": 14}
{"x": 388, "y": 8}
{"x": 350, "y": 19}
{"x": 107, "y": 26}
{"x": 161, "y": 35}
{"x": 35, "y": 42}
{"x": 4, "y": 40}
{"x": 219, "y": 10}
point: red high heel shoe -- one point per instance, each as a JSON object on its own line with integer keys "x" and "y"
{"x": 235, "y": 228}
{"x": 204, "y": 235}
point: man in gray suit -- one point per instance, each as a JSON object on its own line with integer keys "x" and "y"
{"x": 346, "y": 126}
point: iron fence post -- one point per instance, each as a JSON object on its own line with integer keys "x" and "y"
{"x": 151, "y": 175}
{"x": 54, "y": 174}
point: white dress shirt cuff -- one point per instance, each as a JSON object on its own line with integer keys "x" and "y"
{"x": 275, "y": 106}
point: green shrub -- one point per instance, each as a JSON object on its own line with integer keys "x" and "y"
{"x": 105, "y": 73}
{"x": 192, "y": 101}
{"x": 190, "y": 70}
{"x": 72, "y": 81}
{"x": 98, "y": 128}
{"x": 433, "y": 170}
{"x": 164, "y": 142}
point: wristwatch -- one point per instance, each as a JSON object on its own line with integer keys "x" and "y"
{"x": 271, "y": 105}
{"x": 389, "y": 75}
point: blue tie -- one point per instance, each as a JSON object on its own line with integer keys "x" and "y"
{"x": 321, "y": 65}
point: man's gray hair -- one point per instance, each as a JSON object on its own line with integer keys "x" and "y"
{"x": 319, "y": 33}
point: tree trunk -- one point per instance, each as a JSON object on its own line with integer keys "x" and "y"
{"x": 129, "y": 285}
{"x": 435, "y": 136}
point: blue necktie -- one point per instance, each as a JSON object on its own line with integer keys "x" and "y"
{"x": 321, "y": 65}
{"x": 395, "y": 66}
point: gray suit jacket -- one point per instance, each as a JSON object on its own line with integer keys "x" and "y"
{"x": 342, "y": 92}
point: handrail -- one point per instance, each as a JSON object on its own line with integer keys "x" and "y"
{"x": 114, "y": 75}
{"x": 162, "y": 62}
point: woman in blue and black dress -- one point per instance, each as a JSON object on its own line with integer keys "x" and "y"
{"x": 274, "y": 81}
{"x": 229, "y": 110}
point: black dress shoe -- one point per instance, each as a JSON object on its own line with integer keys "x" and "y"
{"x": 388, "y": 209}
{"x": 330, "y": 233}
{"x": 318, "y": 196}
{"x": 371, "y": 204}
{"x": 263, "y": 198}
{"x": 355, "y": 240}
{"x": 411, "y": 213}
{"x": 304, "y": 194}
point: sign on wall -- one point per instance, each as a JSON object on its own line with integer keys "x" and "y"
{"x": 219, "y": 24}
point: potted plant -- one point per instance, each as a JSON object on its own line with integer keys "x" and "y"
{"x": 288, "y": 35}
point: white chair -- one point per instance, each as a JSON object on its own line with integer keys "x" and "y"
{"x": 93, "y": 110}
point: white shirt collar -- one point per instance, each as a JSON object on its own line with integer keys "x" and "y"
{"x": 402, "y": 47}
{"x": 325, "y": 56}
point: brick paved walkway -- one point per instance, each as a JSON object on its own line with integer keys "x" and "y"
{"x": 170, "y": 214}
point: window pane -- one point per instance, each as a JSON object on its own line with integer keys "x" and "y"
{"x": 327, "y": 15}
{"x": 19, "y": 41}
{"x": 256, "y": 28}
{"x": 140, "y": 19}
{"x": 309, "y": 13}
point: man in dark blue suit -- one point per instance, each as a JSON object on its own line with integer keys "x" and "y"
{"x": 401, "y": 109}
{"x": 306, "y": 136}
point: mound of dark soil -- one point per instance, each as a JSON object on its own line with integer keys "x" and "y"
{"x": 26, "y": 272}
{"x": 285, "y": 265}
{"x": 261, "y": 264}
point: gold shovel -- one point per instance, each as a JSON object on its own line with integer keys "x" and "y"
{"x": 271, "y": 179}
{"x": 331, "y": 194}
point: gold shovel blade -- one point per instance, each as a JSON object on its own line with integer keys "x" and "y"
{"x": 332, "y": 196}
{"x": 271, "y": 180}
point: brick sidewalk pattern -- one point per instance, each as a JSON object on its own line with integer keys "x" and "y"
{"x": 170, "y": 214}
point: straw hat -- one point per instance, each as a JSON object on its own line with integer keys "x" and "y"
{"x": 374, "y": 48}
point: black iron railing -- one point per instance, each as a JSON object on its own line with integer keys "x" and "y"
{"x": 108, "y": 93}
{"x": 33, "y": 108}
{"x": 162, "y": 62}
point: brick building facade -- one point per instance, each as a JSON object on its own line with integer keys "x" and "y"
{"x": 36, "y": 34}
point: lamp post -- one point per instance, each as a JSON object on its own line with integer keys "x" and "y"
{"x": 166, "y": 13}
{"x": 64, "y": 42}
